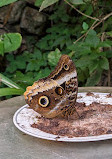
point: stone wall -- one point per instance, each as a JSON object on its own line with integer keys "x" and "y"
{"x": 22, "y": 15}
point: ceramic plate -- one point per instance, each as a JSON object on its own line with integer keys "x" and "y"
{"x": 25, "y": 117}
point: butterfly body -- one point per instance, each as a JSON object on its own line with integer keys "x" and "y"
{"x": 57, "y": 93}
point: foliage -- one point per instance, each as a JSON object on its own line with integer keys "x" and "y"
{"x": 9, "y": 42}
{"x": 53, "y": 57}
{"x": 38, "y": 3}
{"x": 47, "y": 3}
{"x": 43, "y": 3}
{"x": 33, "y": 67}
{"x": 10, "y": 91}
{"x": 77, "y": 1}
{"x": 13, "y": 87}
{"x": 6, "y": 2}
{"x": 90, "y": 54}
{"x": 9, "y": 82}
{"x": 90, "y": 59}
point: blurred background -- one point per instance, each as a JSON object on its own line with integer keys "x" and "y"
{"x": 35, "y": 33}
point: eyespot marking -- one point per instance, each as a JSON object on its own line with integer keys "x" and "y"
{"x": 43, "y": 101}
{"x": 59, "y": 91}
{"x": 66, "y": 67}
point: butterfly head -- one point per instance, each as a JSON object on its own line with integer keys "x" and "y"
{"x": 64, "y": 68}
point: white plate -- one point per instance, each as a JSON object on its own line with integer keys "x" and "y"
{"x": 24, "y": 117}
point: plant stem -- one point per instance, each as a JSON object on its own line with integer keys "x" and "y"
{"x": 84, "y": 35}
{"x": 94, "y": 18}
{"x": 94, "y": 25}
{"x": 103, "y": 19}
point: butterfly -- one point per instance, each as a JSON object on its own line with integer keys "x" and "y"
{"x": 56, "y": 94}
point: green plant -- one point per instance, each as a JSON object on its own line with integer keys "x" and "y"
{"x": 41, "y": 61}
{"x": 14, "y": 89}
{"x": 35, "y": 65}
{"x": 46, "y": 3}
{"x": 6, "y": 2}
{"x": 9, "y": 42}
{"x": 90, "y": 58}
{"x": 59, "y": 35}
{"x": 76, "y": 32}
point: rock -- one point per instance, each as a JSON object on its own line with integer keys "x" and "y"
{"x": 2, "y": 29}
{"x": 16, "y": 11}
{"x": 12, "y": 12}
{"x": 31, "y": 1}
{"x": 33, "y": 21}
{"x": 3, "y": 13}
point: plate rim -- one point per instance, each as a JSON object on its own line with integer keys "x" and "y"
{"x": 61, "y": 138}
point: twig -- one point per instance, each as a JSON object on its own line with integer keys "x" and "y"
{"x": 94, "y": 26}
{"x": 79, "y": 38}
{"x": 103, "y": 19}
{"x": 94, "y": 18}
{"x": 90, "y": 28}
{"x": 84, "y": 35}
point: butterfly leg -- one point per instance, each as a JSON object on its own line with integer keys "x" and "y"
{"x": 70, "y": 111}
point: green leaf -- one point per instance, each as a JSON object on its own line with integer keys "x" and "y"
{"x": 94, "y": 78}
{"x": 12, "y": 67}
{"x": 109, "y": 33}
{"x": 1, "y": 47}
{"x": 37, "y": 54}
{"x": 43, "y": 73}
{"x": 24, "y": 79}
{"x": 53, "y": 57}
{"x": 80, "y": 48}
{"x": 16, "y": 63}
{"x": 9, "y": 82}
{"x": 47, "y": 3}
{"x": 20, "y": 63}
{"x": 92, "y": 40}
{"x": 33, "y": 65}
{"x": 38, "y": 2}
{"x": 105, "y": 44}
{"x": 10, "y": 57}
{"x": 10, "y": 91}
{"x": 109, "y": 54}
{"x": 77, "y": 1}
{"x": 12, "y": 41}
{"x": 85, "y": 26}
{"x": 6, "y": 2}
{"x": 81, "y": 76}
{"x": 84, "y": 61}
{"x": 93, "y": 66}
{"x": 104, "y": 64}
{"x": 59, "y": 41}
{"x": 27, "y": 56}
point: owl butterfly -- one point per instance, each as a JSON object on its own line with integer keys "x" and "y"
{"x": 56, "y": 94}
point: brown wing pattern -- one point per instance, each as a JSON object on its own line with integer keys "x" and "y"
{"x": 57, "y": 93}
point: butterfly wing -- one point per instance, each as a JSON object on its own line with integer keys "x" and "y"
{"x": 53, "y": 95}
